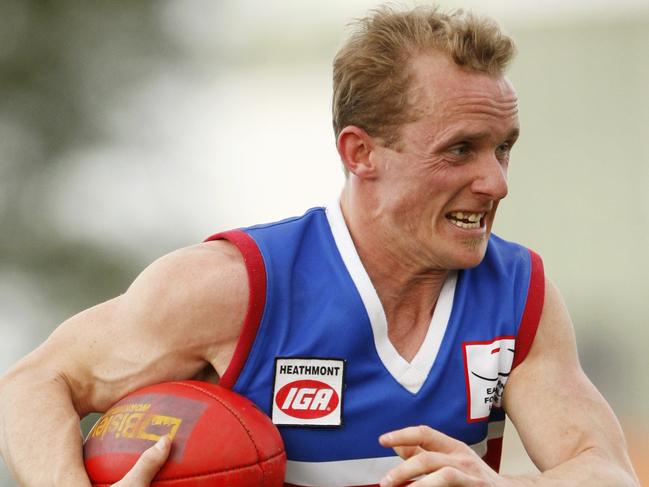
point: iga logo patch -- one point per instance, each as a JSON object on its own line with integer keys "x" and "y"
{"x": 487, "y": 366}
{"x": 307, "y": 399}
{"x": 308, "y": 392}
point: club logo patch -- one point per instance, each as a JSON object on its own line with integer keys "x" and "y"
{"x": 487, "y": 366}
{"x": 308, "y": 392}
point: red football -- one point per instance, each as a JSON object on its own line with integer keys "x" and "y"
{"x": 219, "y": 438}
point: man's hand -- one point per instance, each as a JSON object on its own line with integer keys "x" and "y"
{"x": 438, "y": 459}
{"x": 147, "y": 465}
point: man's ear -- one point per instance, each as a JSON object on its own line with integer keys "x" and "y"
{"x": 355, "y": 147}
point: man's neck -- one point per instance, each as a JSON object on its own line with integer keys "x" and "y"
{"x": 407, "y": 291}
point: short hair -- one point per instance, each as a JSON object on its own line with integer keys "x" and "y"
{"x": 371, "y": 75}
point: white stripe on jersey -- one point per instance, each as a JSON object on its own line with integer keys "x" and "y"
{"x": 364, "y": 471}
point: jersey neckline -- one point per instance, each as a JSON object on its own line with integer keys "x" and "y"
{"x": 410, "y": 375}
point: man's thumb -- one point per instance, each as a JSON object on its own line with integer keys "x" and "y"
{"x": 147, "y": 465}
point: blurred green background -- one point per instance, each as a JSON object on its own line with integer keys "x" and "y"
{"x": 128, "y": 129}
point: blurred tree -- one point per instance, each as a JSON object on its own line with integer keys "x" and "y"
{"x": 60, "y": 63}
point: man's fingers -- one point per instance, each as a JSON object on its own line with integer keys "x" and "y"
{"x": 422, "y": 436}
{"x": 448, "y": 477}
{"x": 406, "y": 452}
{"x": 147, "y": 465}
{"x": 417, "y": 465}
{"x": 433, "y": 458}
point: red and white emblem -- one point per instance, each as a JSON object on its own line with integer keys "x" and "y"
{"x": 308, "y": 392}
{"x": 487, "y": 365}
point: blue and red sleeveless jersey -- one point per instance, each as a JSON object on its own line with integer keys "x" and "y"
{"x": 314, "y": 317}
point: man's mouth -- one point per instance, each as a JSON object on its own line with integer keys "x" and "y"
{"x": 466, "y": 220}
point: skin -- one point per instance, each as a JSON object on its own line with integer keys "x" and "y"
{"x": 184, "y": 313}
{"x": 180, "y": 319}
{"x": 571, "y": 435}
{"x": 396, "y": 201}
{"x": 454, "y": 157}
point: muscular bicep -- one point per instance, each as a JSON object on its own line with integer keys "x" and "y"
{"x": 557, "y": 411}
{"x": 180, "y": 315}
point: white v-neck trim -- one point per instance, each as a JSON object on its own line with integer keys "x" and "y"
{"x": 411, "y": 375}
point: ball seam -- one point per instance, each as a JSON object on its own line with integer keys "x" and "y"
{"x": 234, "y": 413}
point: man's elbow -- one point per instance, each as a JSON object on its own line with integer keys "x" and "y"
{"x": 616, "y": 468}
{"x": 30, "y": 378}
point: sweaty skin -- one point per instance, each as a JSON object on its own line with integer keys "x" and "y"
{"x": 415, "y": 211}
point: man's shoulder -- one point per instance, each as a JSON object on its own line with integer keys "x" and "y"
{"x": 511, "y": 261}
{"x": 499, "y": 242}
{"x": 507, "y": 250}
{"x": 200, "y": 261}
{"x": 202, "y": 276}
{"x": 278, "y": 236}
{"x": 312, "y": 214}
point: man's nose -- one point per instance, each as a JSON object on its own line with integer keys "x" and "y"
{"x": 491, "y": 179}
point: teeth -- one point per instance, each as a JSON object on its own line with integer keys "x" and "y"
{"x": 465, "y": 225}
{"x": 466, "y": 220}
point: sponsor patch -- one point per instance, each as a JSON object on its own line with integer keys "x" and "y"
{"x": 487, "y": 366}
{"x": 308, "y": 392}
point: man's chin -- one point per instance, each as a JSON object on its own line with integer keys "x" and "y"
{"x": 473, "y": 252}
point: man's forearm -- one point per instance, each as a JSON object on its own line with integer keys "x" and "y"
{"x": 39, "y": 431}
{"x": 588, "y": 469}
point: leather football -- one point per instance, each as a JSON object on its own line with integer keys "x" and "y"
{"x": 219, "y": 438}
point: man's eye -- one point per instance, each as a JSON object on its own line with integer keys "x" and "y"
{"x": 503, "y": 152}
{"x": 459, "y": 150}
{"x": 504, "y": 148}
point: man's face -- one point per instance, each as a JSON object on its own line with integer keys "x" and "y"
{"x": 439, "y": 187}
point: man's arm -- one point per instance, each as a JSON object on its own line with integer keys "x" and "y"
{"x": 181, "y": 315}
{"x": 567, "y": 427}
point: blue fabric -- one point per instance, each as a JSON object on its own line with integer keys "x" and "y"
{"x": 313, "y": 309}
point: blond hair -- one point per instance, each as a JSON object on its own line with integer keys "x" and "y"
{"x": 371, "y": 77}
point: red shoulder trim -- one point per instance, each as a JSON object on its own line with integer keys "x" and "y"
{"x": 532, "y": 312}
{"x": 256, "y": 269}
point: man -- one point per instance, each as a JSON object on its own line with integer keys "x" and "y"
{"x": 417, "y": 326}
